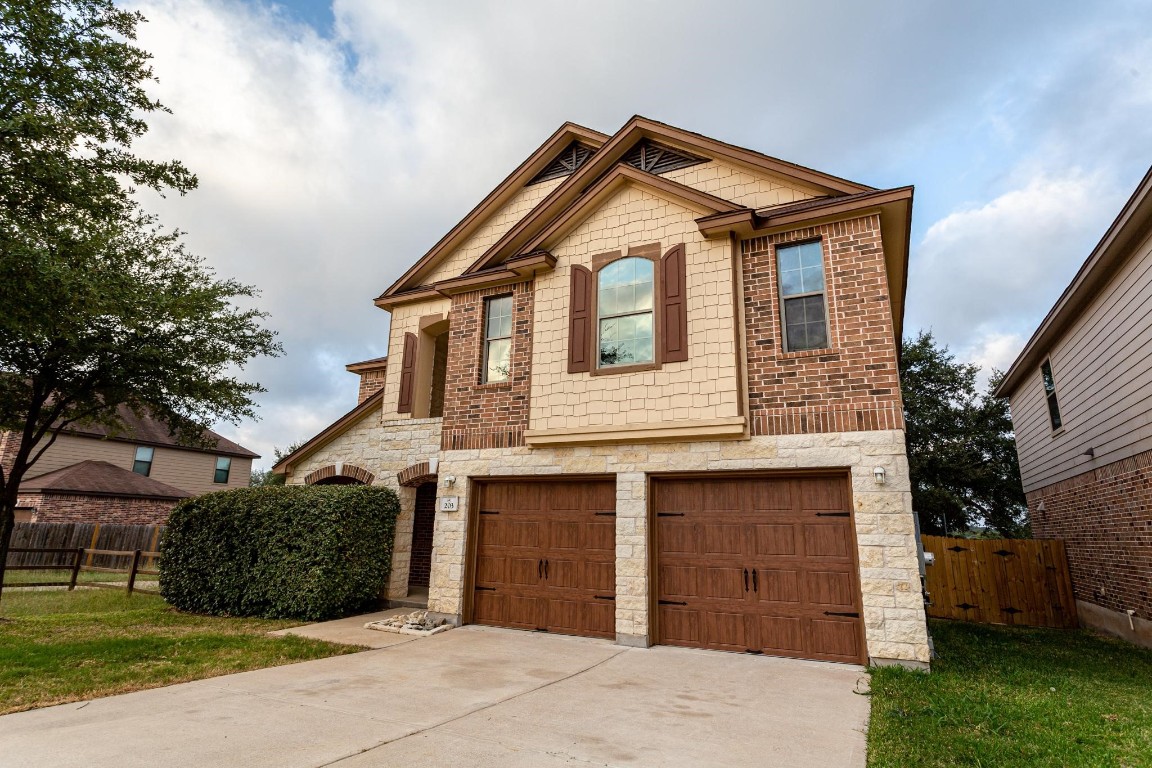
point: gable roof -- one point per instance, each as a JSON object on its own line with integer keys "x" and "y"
{"x": 331, "y": 432}
{"x": 611, "y": 151}
{"x": 504, "y": 191}
{"x": 148, "y": 430}
{"x": 1133, "y": 223}
{"x": 99, "y": 478}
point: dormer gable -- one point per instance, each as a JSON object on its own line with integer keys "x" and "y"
{"x": 566, "y": 163}
{"x": 652, "y": 157}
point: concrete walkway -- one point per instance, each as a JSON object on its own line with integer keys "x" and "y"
{"x": 472, "y": 696}
{"x": 350, "y": 631}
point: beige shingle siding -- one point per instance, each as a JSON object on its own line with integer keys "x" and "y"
{"x": 740, "y": 186}
{"x": 1102, "y": 367}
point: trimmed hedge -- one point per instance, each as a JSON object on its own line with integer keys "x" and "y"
{"x": 300, "y": 552}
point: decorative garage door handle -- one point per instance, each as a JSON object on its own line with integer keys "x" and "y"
{"x": 745, "y": 579}
{"x": 755, "y": 582}
{"x": 539, "y": 569}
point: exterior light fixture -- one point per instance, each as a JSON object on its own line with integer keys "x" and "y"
{"x": 879, "y": 474}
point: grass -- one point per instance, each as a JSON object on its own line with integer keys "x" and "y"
{"x": 1003, "y": 696}
{"x": 58, "y": 646}
{"x": 16, "y": 578}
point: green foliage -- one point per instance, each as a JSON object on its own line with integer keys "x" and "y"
{"x": 308, "y": 553}
{"x": 100, "y": 306}
{"x": 265, "y": 477}
{"x": 961, "y": 448}
{"x": 1009, "y": 696}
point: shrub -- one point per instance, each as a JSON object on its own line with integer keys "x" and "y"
{"x": 279, "y": 552}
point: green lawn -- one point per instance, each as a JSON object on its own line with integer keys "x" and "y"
{"x": 58, "y": 646}
{"x": 1002, "y": 696}
{"x": 16, "y": 578}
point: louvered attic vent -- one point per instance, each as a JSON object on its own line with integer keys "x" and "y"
{"x": 565, "y": 163}
{"x": 657, "y": 158}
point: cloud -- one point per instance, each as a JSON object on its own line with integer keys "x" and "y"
{"x": 984, "y": 275}
{"x": 331, "y": 160}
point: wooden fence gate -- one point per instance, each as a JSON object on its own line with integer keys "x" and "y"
{"x": 1024, "y": 582}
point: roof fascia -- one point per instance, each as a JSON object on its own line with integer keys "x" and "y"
{"x": 609, "y": 155}
{"x": 332, "y": 431}
{"x": 497, "y": 197}
{"x": 1132, "y": 224}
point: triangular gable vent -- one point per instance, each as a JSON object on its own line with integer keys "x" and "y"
{"x": 656, "y": 158}
{"x": 565, "y": 163}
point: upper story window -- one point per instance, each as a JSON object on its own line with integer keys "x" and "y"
{"x": 803, "y": 307}
{"x": 142, "y": 464}
{"x": 223, "y": 469}
{"x": 497, "y": 338}
{"x": 624, "y": 312}
{"x": 1050, "y": 394}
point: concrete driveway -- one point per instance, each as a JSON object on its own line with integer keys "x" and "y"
{"x": 473, "y": 696}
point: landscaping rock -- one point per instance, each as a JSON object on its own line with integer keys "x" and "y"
{"x": 415, "y": 623}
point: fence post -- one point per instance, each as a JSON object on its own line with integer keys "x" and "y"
{"x": 132, "y": 573}
{"x": 152, "y": 546}
{"x": 95, "y": 540}
{"x": 76, "y": 567}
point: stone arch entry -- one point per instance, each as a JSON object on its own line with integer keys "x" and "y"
{"x": 339, "y": 474}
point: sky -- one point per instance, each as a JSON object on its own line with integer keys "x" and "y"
{"x": 336, "y": 142}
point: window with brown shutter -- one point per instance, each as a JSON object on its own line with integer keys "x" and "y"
{"x": 580, "y": 321}
{"x": 674, "y": 306}
{"x": 407, "y": 374}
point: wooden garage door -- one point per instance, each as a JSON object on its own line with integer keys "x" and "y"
{"x": 761, "y": 565}
{"x": 546, "y": 557}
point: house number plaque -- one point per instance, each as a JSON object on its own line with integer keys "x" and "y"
{"x": 449, "y": 503}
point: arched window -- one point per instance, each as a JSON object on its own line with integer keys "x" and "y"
{"x": 624, "y": 312}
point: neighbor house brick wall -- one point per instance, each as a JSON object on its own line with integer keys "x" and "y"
{"x": 492, "y": 415}
{"x": 855, "y": 385}
{"x": 70, "y": 508}
{"x": 1104, "y": 517}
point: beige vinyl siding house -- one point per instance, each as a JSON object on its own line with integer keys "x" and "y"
{"x": 1088, "y": 476}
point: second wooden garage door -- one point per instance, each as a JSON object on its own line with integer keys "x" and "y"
{"x": 759, "y": 564}
{"x": 546, "y": 556}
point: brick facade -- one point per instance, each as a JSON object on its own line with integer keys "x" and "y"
{"x": 423, "y": 524}
{"x": 75, "y": 508}
{"x": 853, "y": 386}
{"x": 1104, "y": 517}
{"x": 371, "y": 382}
{"x": 494, "y": 415}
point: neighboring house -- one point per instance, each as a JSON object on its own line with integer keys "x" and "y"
{"x": 1081, "y": 397}
{"x": 133, "y": 477}
{"x": 647, "y": 390}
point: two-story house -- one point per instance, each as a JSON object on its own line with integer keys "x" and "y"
{"x": 136, "y": 476}
{"x": 647, "y": 390}
{"x": 1081, "y": 396}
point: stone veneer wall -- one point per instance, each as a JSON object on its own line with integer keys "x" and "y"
{"x": 852, "y": 386}
{"x": 885, "y": 532}
{"x": 72, "y": 508}
{"x": 384, "y": 448}
{"x": 1104, "y": 517}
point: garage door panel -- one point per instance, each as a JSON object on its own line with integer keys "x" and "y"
{"x": 491, "y": 570}
{"x": 600, "y": 577}
{"x": 600, "y": 537}
{"x": 677, "y": 537}
{"x": 679, "y": 626}
{"x": 723, "y": 584}
{"x": 822, "y": 496}
{"x": 774, "y": 539}
{"x": 782, "y": 635}
{"x": 769, "y": 496}
{"x": 565, "y": 535}
{"x": 521, "y": 612}
{"x": 489, "y": 607}
{"x": 528, "y": 534}
{"x": 679, "y": 581}
{"x": 724, "y": 539}
{"x": 726, "y": 630}
{"x": 828, "y": 540}
{"x": 563, "y": 573}
{"x": 599, "y": 619}
{"x": 722, "y": 495}
{"x": 523, "y": 571}
{"x": 835, "y": 637}
{"x": 778, "y": 585}
{"x": 830, "y": 588}
{"x": 492, "y": 531}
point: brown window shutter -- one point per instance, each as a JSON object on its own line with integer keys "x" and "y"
{"x": 674, "y": 306}
{"x": 580, "y": 321}
{"x": 407, "y": 374}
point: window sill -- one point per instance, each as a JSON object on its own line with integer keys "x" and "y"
{"x": 609, "y": 370}
{"x": 494, "y": 385}
{"x": 807, "y": 353}
{"x": 1058, "y": 432}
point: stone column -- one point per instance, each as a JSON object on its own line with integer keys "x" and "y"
{"x": 632, "y": 559}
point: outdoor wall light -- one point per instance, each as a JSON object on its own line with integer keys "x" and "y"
{"x": 879, "y": 474}
{"x": 450, "y": 480}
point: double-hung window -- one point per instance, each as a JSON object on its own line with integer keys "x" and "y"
{"x": 223, "y": 468}
{"x": 497, "y": 338}
{"x": 624, "y": 313}
{"x": 803, "y": 306}
{"x": 142, "y": 464}
{"x": 1050, "y": 395}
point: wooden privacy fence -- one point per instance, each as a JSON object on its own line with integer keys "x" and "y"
{"x": 105, "y": 545}
{"x": 1024, "y": 582}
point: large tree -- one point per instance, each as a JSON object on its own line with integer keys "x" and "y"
{"x": 99, "y": 306}
{"x": 961, "y": 449}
